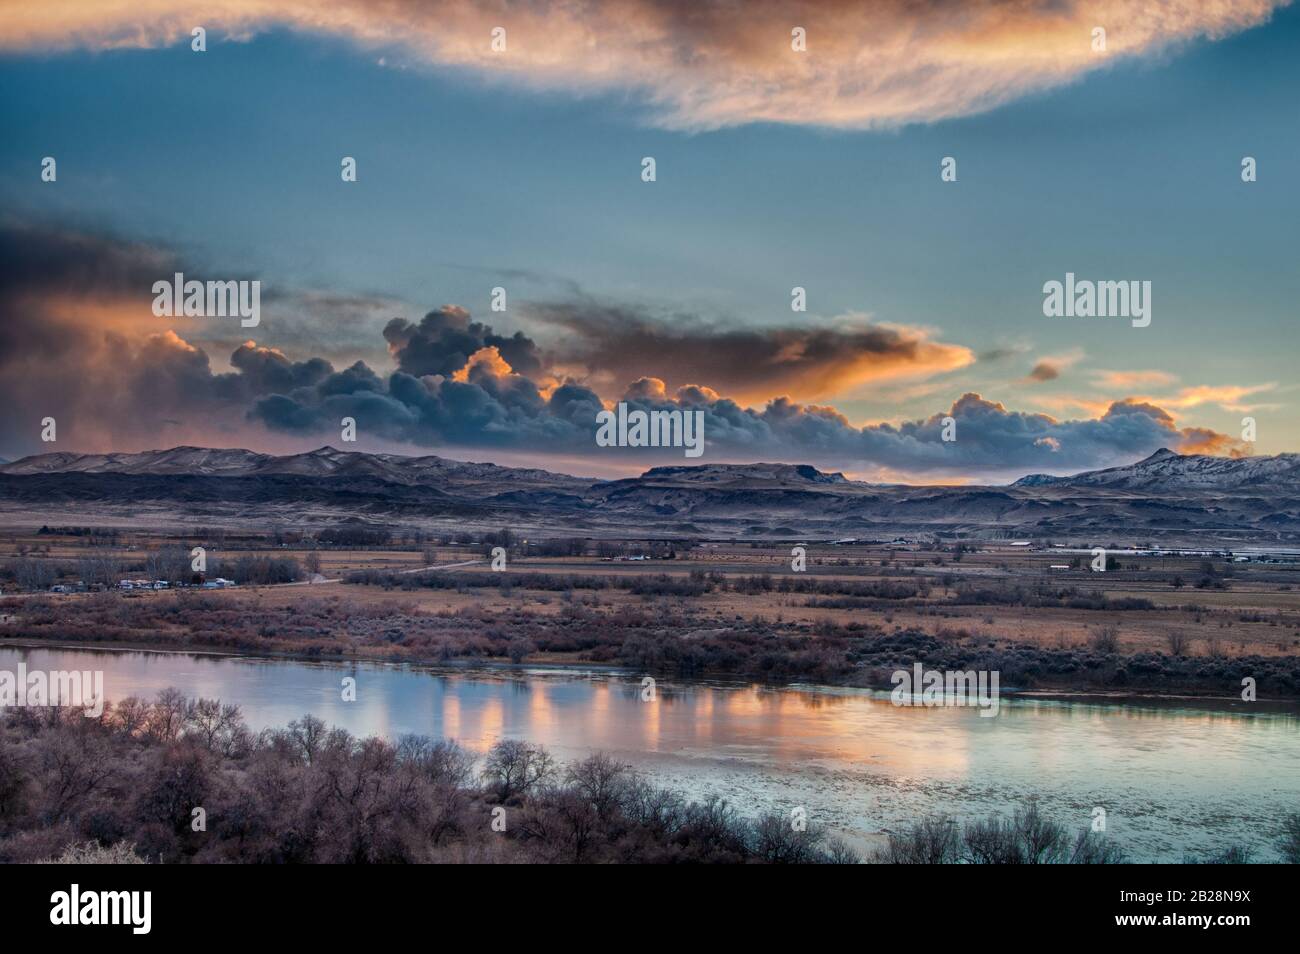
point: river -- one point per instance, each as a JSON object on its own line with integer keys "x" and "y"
{"x": 1172, "y": 780}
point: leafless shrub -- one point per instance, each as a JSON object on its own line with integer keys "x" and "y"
{"x": 514, "y": 767}
{"x": 89, "y": 853}
{"x": 1105, "y": 639}
{"x": 1289, "y": 846}
{"x": 932, "y": 840}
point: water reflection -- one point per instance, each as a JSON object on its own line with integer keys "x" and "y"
{"x": 1172, "y": 779}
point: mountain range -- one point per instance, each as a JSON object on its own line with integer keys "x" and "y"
{"x": 1166, "y": 497}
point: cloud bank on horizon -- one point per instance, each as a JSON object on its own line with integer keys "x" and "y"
{"x": 699, "y": 65}
{"x": 119, "y": 382}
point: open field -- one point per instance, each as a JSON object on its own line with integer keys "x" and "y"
{"x": 1149, "y": 623}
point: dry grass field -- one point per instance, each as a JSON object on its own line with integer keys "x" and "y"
{"x": 696, "y": 607}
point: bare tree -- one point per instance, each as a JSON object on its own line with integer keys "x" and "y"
{"x": 1106, "y": 640}
{"x": 777, "y": 841}
{"x": 103, "y": 567}
{"x": 33, "y": 573}
{"x": 934, "y": 840}
{"x": 308, "y": 735}
{"x": 442, "y": 762}
{"x": 74, "y": 765}
{"x": 515, "y": 767}
{"x": 603, "y": 781}
{"x": 177, "y": 782}
{"x": 171, "y": 563}
{"x": 218, "y": 727}
{"x": 167, "y": 715}
{"x": 130, "y": 715}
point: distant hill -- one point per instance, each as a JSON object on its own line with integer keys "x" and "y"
{"x": 1164, "y": 471}
{"x": 322, "y": 462}
{"x": 1167, "y": 497}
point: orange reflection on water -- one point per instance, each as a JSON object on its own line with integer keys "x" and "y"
{"x": 451, "y": 716}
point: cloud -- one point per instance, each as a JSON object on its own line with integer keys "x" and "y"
{"x": 700, "y": 65}
{"x": 1050, "y": 367}
{"x": 444, "y": 340}
{"x": 1044, "y": 371}
{"x": 459, "y": 383}
{"x": 621, "y": 343}
{"x": 1126, "y": 380}
{"x": 1229, "y": 397}
{"x": 98, "y": 383}
{"x": 1200, "y": 440}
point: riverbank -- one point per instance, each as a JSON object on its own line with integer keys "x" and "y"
{"x": 662, "y": 637}
{"x": 1222, "y": 703}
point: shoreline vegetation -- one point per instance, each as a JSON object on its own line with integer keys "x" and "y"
{"x": 506, "y": 668}
{"x": 176, "y": 780}
{"x": 657, "y": 624}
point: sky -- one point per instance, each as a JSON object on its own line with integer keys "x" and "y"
{"x": 521, "y": 168}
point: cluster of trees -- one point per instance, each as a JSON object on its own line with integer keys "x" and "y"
{"x": 354, "y": 536}
{"x": 558, "y": 547}
{"x": 261, "y": 569}
{"x": 94, "y": 536}
{"x": 697, "y": 583}
{"x": 1041, "y": 595}
{"x": 1028, "y": 837}
{"x": 368, "y": 536}
{"x": 468, "y": 579}
{"x": 1025, "y": 838}
{"x": 176, "y": 780}
{"x": 172, "y": 563}
{"x": 858, "y": 589}
{"x": 31, "y": 573}
{"x": 1098, "y": 664}
{"x": 40, "y": 573}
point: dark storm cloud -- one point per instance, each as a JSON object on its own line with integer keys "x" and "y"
{"x": 266, "y": 369}
{"x": 445, "y": 339}
{"x": 461, "y": 383}
{"x": 40, "y": 260}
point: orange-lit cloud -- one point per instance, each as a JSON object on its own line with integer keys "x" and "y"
{"x": 1126, "y": 380}
{"x": 698, "y": 65}
{"x": 750, "y": 364}
{"x": 1229, "y": 397}
{"x": 1200, "y": 440}
{"x": 485, "y": 359}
